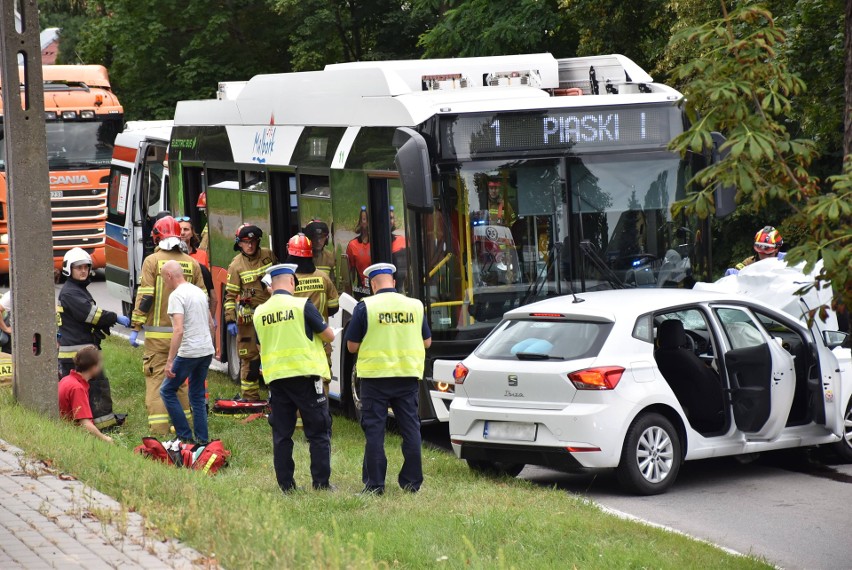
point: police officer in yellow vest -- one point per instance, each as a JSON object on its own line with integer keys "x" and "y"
{"x": 290, "y": 332}
{"x": 390, "y": 335}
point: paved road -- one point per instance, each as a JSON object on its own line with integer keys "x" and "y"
{"x": 788, "y": 508}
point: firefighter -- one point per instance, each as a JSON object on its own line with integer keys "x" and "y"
{"x": 291, "y": 332}
{"x": 317, "y": 232}
{"x": 81, "y": 323}
{"x": 390, "y": 336}
{"x": 151, "y": 312}
{"x": 313, "y": 283}
{"x": 767, "y": 243}
{"x": 204, "y": 242}
{"x": 243, "y": 293}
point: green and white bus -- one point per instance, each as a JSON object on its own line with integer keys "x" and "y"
{"x": 491, "y": 182}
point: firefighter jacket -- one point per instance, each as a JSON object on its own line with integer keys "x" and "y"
{"x": 244, "y": 291}
{"x": 152, "y": 298}
{"x": 320, "y": 290}
{"x": 79, "y": 320}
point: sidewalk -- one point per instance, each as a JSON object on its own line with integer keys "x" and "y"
{"x": 52, "y": 521}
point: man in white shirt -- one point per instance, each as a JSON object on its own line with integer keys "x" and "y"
{"x": 190, "y": 352}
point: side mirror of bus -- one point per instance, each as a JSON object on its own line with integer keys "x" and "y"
{"x": 723, "y": 196}
{"x": 412, "y": 162}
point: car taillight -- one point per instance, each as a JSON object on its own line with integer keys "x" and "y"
{"x": 598, "y": 378}
{"x": 460, "y": 373}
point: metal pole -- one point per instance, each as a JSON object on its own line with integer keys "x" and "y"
{"x": 34, "y": 347}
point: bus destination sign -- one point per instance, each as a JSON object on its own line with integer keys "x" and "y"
{"x": 496, "y": 133}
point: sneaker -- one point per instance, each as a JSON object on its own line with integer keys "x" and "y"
{"x": 328, "y": 488}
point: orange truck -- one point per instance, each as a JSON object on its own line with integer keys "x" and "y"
{"x": 83, "y": 117}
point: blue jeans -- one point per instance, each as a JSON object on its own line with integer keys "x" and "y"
{"x": 196, "y": 370}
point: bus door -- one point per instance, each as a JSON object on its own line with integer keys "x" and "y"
{"x": 387, "y": 220}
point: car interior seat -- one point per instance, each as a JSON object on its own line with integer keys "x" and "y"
{"x": 696, "y": 385}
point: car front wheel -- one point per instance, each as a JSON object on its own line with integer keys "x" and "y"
{"x": 495, "y": 468}
{"x": 651, "y": 457}
{"x": 843, "y": 448}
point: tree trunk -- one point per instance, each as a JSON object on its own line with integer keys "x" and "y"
{"x": 847, "y": 82}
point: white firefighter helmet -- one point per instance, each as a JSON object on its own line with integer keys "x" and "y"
{"x": 74, "y": 256}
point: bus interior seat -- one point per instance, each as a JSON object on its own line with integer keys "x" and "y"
{"x": 696, "y": 385}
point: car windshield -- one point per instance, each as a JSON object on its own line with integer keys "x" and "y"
{"x": 74, "y": 145}
{"x": 530, "y": 339}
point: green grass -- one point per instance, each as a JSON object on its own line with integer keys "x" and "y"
{"x": 459, "y": 519}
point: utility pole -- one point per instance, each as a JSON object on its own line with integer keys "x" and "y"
{"x": 34, "y": 349}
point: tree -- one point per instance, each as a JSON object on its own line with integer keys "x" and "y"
{"x": 638, "y": 30}
{"x": 159, "y": 52}
{"x": 465, "y": 28}
{"x": 741, "y": 86}
{"x": 329, "y": 31}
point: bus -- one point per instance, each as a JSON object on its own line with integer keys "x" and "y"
{"x": 83, "y": 117}
{"x": 490, "y": 183}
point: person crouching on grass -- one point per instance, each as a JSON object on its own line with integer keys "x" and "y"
{"x": 74, "y": 390}
{"x": 190, "y": 352}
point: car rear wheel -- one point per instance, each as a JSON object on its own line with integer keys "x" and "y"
{"x": 495, "y": 468}
{"x": 651, "y": 457}
{"x": 843, "y": 448}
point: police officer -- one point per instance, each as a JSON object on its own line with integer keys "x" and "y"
{"x": 151, "y": 312}
{"x": 81, "y": 323}
{"x": 391, "y": 336}
{"x": 243, "y": 293}
{"x": 291, "y": 331}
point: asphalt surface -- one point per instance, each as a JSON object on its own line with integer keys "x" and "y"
{"x": 791, "y": 508}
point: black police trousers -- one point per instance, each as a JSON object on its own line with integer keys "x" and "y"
{"x": 286, "y": 396}
{"x": 402, "y": 396}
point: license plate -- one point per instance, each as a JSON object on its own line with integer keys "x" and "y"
{"x": 54, "y": 194}
{"x": 510, "y": 431}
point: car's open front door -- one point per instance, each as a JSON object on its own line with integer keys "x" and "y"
{"x": 760, "y": 374}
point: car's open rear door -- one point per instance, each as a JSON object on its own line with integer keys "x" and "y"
{"x": 760, "y": 373}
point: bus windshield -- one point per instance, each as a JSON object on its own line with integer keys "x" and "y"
{"x": 508, "y": 233}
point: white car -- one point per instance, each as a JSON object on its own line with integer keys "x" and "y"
{"x": 642, "y": 380}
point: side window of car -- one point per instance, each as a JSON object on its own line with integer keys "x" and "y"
{"x": 740, "y": 329}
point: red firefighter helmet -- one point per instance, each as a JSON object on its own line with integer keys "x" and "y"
{"x": 300, "y": 246}
{"x": 202, "y": 201}
{"x": 165, "y": 227}
{"x": 768, "y": 240}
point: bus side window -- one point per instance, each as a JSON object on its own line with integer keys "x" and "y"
{"x": 225, "y": 214}
{"x": 315, "y": 194}
{"x": 254, "y": 200}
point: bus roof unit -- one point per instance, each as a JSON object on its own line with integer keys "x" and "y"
{"x": 408, "y": 92}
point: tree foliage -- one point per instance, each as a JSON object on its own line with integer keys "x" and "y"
{"x": 465, "y": 28}
{"x": 740, "y": 85}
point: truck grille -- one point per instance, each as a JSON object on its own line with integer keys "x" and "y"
{"x": 84, "y": 204}
{"x": 86, "y": 238}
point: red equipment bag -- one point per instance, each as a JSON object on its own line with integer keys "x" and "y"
{"x": 207, "y": 458}
{"x": 153, "y": 449}
{"x": 240, "y": 407}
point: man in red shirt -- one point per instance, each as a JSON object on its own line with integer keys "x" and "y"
{"x": 74, "y": 390}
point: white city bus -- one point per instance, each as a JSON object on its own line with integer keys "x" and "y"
{"x": 490, "y": 182}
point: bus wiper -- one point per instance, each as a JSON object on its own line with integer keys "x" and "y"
{"x": 591, "y": 253}
{"x": 536, "y": 356}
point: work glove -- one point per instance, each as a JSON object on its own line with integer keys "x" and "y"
{"x": 232, "y": 329}
{"x": 134, "y": 339}
{"x": 123, "y": 321}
